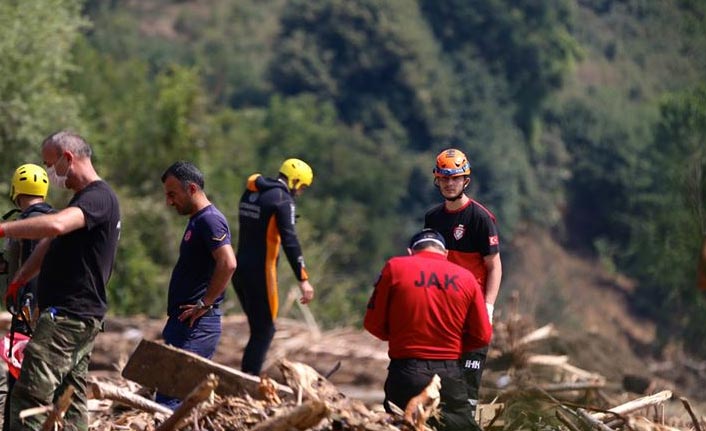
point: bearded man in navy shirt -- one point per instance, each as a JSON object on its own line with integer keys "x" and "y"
{"x": 205, "y": 266}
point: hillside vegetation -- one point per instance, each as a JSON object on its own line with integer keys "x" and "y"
{"x": 584, "y": 120}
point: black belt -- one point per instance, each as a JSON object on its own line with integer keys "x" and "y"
{"x": 58, "y": 314}
{"x": 429, "y": 364}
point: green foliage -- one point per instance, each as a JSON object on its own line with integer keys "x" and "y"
{"x": 668, "y": 241}
{"x": 231, "y": 44}
{"x": 368, "y": 92}
{"x": 529, "y": 42}
{"x": 36, "y": 37}
{"x": 377, "y": 62}
{"x": 502, "y": 177}
{"x": 606, "y": 142}
{"x": 141, "y": 124}
{"x": 148, "y": 247}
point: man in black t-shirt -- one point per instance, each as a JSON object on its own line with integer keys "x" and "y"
{"x": 76, "y": 254}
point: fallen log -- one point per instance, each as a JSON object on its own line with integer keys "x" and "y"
{"x": 175, "y": 372}
{"x": 202, "y": 392}
{"x": 104, "y": 391}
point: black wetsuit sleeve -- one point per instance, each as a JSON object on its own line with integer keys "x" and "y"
{"x": 290, "y": 242}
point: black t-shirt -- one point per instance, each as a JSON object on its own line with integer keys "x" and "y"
{"x": 470, "y": 234}
{"x": 77, "y": 266}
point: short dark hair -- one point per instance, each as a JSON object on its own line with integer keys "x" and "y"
{"x": 185, "y": 172}
{"x": 427, "y": 238}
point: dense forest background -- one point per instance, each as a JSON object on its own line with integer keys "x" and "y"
{"x": 583, "y": 119}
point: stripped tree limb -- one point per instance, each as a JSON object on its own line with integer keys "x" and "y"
{"x": 637, "y": 404}
{"x": 56, "y": 414}
{"x": 563, "y": 418}
{"x": 33, "y": 411}
{"x": 202, "y": 392}
{"x": 105, "y": 391}
{"x": 561, "y": 363}
{"x": 302, "y": 417}
{"x": 595, "y": 423}
{"x": 571, "y": 386}
{"x": 542, "y": 333}
{"x": 549, "y": 360}
{"x": 694, "y": 419}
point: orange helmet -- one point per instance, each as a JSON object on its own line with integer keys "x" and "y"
{"x": 451, "y": 163}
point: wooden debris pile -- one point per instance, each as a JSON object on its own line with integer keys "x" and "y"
{"x": 559, "y": 394}
{"x": 526, "y": 386}
{"x": 308, "y": 401}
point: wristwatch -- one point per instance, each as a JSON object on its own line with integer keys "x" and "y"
{"x": 202, "y": 305}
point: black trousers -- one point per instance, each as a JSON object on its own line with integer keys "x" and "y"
{"x": 406, "y": 378}
{"x": 251, "y": 289}
{"x": 473, "y": 364}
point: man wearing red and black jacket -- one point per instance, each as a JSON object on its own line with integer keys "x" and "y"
{"x": 430, "y": 311}
{"x": 267, "y": 217}
{"x": 472, "y": 240}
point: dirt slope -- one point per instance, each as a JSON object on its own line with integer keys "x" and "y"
{"x": 582, "y": 299}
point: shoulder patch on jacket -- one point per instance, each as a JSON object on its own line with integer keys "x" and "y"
{"x": 251, "y": 182}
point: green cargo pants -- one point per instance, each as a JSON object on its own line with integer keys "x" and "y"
{"x": 57, "y": 357}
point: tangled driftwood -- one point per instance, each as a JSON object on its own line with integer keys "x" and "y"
{"x": 318, "y": 405}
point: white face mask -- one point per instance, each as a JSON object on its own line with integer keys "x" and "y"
{"x": 55, "y": 179}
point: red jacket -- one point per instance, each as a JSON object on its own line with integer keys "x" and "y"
{"x": 427, "y": 308}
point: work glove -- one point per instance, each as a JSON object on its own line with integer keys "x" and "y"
{"x": 11, "y": 296}
{"x": 490, "y": 308}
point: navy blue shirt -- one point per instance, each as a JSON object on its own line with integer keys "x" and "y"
{"x": 206, "y": 231}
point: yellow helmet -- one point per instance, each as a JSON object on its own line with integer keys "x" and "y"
{"x": 297, "y": 172}
{"x": 31, "y": 180}
{"x": 451, "y": 163}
